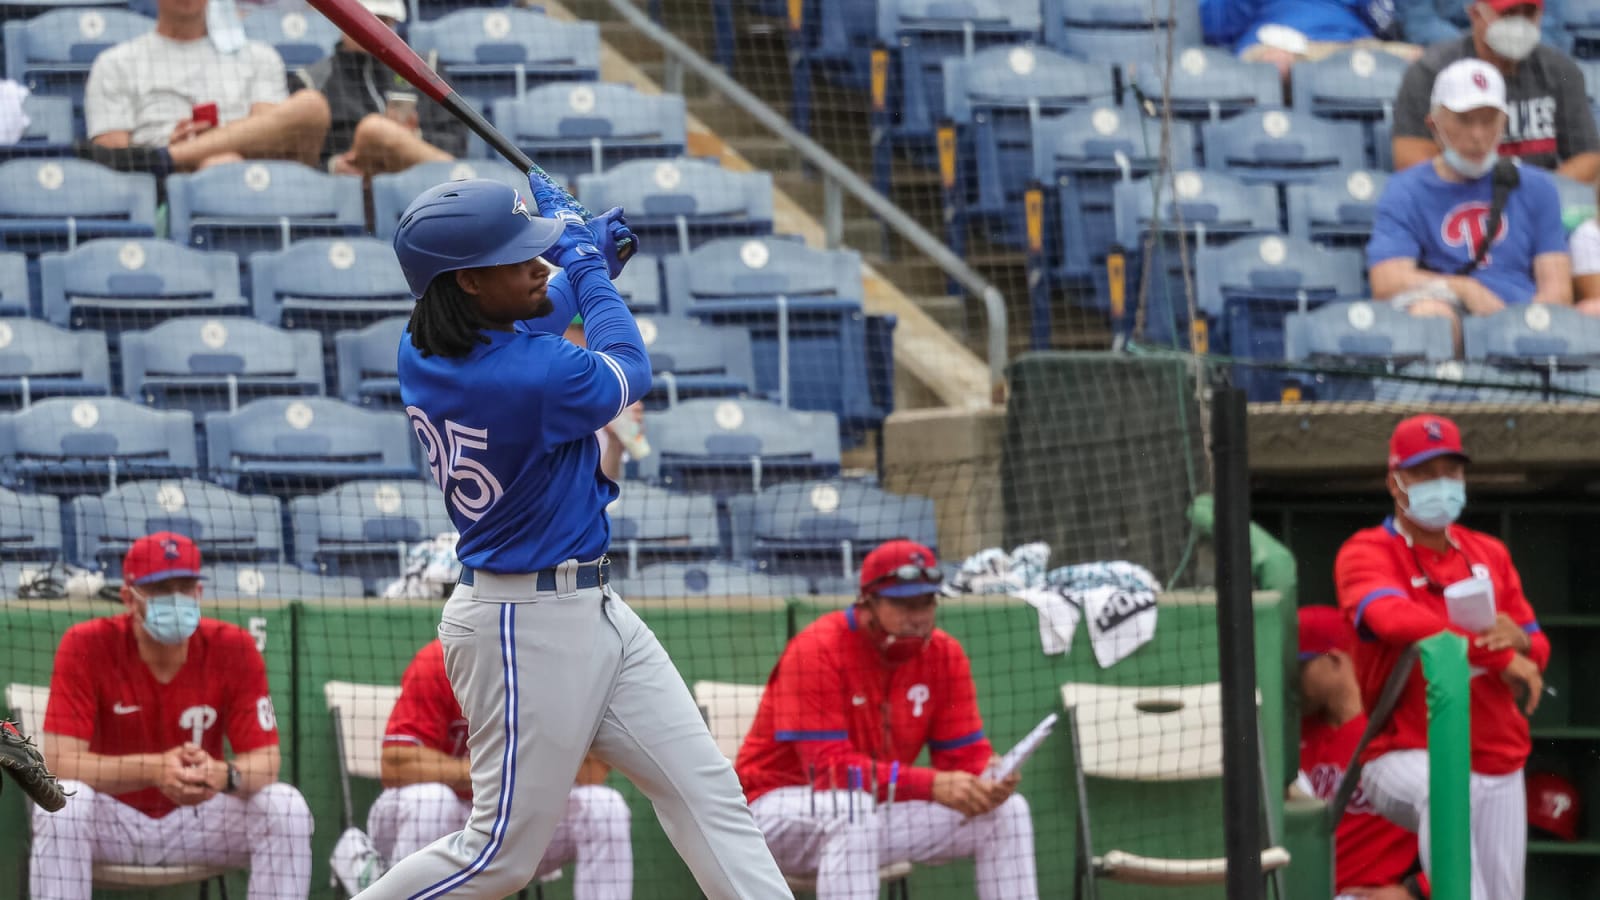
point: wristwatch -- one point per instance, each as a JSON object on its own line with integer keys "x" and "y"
{"x": 233, "y": 779}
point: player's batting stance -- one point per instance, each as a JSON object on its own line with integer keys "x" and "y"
{"x": 545, "y": 659}
{"x": 1392, "y": 581}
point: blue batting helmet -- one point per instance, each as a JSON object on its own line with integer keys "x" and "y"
{"x": 465, "y": 225}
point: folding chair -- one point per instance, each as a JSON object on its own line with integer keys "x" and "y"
{"x": 1151, "y": 734}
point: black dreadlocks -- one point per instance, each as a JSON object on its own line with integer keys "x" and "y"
{"x": 445, "y": 322}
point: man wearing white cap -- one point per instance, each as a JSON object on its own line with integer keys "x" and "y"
{"x": 1432, "y": 251}
{"x": 379, "y": 123}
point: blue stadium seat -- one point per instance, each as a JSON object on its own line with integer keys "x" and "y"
{"x": 275, "y": 581}
{"x": 392, "y": 193}
{"x": 425, "y": 10}
{"x": 329, "y": 284}
{"x": 74, "y": 445}
{"x": 1132, "y": 15}
{"x": 1210, "y": 84}
{"x": 1533, "y": 336}
{"x": 589, "y": 126}
{"x": 16, "y": 299}
{"x": 30, "y": 526}
{"x": 367, "y": 361}
{"x": 39, "y": 360}
{"x": 55, "y": 204}
{"x": 825, "y": 527}
{"x": 691, "y": 360}
{"x": 227, "y": 526}
{"x": 115, "y": 284}
{"x": 1080, "y": 157}
{"x": 1124, "y": 50}
{"x": 1591, "y": 80}
{"x": 682, "y": 203}
{"x": 710, "y": 579}
{"x": 738, "y": 445}
{"x": 262, "y": 205}
{"x": 50, "y": 128}
{"x": 205, "y": 364}
{"x": 1577, "y": 199}
{"x": 652, "y": 525}
{"x": 1383, "y": 146}
{"x": 842, "y": 34}
{"x": 51, "y": 54}
{"x": 1356, "y": 84}
{"x": 1336, "y": 209}
{"x": 1277, "y": 146}
{"x": 803, "y": 310}
{"x": 1455, "y": 382}
{"x": 1361, "y": 335}
{"x": 299, "y": 33}
{"x": 640, "y": 285}
{"x": 299, "y": 445}
{"x": 490, "y": 53}
{"x": 366, "y": 528}
{"x": 1583, "y": 22}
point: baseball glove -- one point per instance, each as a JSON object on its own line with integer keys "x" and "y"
{"x": 23, "y": 762}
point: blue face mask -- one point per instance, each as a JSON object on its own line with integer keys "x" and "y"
{"x": 1435, "y": 504}
{"x": 171, "y": 618}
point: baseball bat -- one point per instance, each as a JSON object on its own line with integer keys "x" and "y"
{"x": 380, "y": 40}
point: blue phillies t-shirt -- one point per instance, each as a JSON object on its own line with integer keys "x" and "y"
{"x": 1440, "y": 224}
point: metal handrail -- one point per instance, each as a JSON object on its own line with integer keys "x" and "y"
{"x": 837, "y": 178}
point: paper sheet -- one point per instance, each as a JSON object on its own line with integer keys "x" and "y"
{"x": 1019, "y": 754}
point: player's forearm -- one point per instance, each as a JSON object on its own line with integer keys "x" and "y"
{"x": 1394, "y": 621}
{"x": 1538, "y": 648}
{"x": 257, "y": 769}
{"x": 973, "y": 758}
{"x": 609, "y": 328}
{"x": 402, "y": 766}
{"x": 831, "y": 762}
{"x": 108, "y": 774}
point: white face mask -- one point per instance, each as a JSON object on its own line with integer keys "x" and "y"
{"x": 1464, "y": 167}
{"x": 1513, "y": 37}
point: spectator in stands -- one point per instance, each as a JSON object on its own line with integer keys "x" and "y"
{"x": 179, "y": 99}
{"x": 1428, "y": 22}
{"x": 1286, "y": 33}
{"x": 625, "y": 434}
{"x": 850, "y": 706}
{"x": 427, "y": 793}
{"x": 139, "y": 706}
{"x": 1584, "y": 246}
{"x": 1374, "y": 858}
{"x": 1429, "y": 252}
{"x": 1551, "y": 124}
{"x": 379, "y": 123}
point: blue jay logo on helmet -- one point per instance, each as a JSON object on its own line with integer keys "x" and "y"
{"x": 519, "y": 207}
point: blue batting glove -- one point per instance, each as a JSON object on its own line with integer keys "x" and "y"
{"x": 612, "y": 234}
{"x": 576, "y": 244}
{"x": 549, "y": 196}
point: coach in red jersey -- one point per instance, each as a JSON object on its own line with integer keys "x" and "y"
{"x": 139, "y": 706}
{"x": 1392, "y": 581}
{"x": 829, "y": 765}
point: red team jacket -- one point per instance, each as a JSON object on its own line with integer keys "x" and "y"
{"x": 1371, "y": 851}
{"x": 427, "y": 713}
{"x": 102, "y": 692}
{"x": 1395, "y": 596}
{"x": 831, "y": 703}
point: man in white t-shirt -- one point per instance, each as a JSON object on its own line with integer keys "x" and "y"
{"x": 1584, "y": 245}
{"x": 143, "y": 96}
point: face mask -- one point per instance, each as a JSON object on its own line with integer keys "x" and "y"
{"x": 894, "y": 649}
{"x": 171, "y": 618}
{"x": 1513, "y": 37}
{"x": 1465, "y": 167}
{"x": 1435, "y": 504}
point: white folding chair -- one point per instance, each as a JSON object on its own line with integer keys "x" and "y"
{"x": 729, "y": 709}
{"x": 28, "y": 703}
{"x": 1150, "y": 734}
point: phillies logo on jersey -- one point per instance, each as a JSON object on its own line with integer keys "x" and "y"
{"x": 918, "y": 695}
{"x": 197, "y": 719}
{"x": 1466, "y": 225}
{"x": 1325, "y": 778}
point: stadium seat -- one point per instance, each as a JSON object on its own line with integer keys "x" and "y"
{"x": 1357, "y": 84}
{"x": 30, "y": 527}
{"x": 1583, "y": 22}
{"x": 640, "y": 285}
{"x": 490, "y": 53}
{"x": 205, "y": 364}
{"x": 50, "y": 128}
{"x": 690, "y": 360}
{"x": 276, "y": 581}
{"x": 738, "y": 445}
{"x": 1277, "y": 146}
{"x": 74, "y": 445}
{"x": 710, "y": 579}
{"x": 367, "y": 362}
{"x": 1533, "y": 336}
{"x": 1127, "y": 15}
{"x": 652, "y": 525}
{"x": 1577, "y": 200}
{"x": 299, "y": 33}
{"x": 115, "y": 285}
{"x": 803, "y": 310}
{"x": 1361, "y": 335}
{"x": 329, "y": 284}
{"x": 366, "y": 528}
{"x": 51, "y": 54}
{"x": 682, "y": 203}
{"x": 39, "y": 360}
{"x": 1335, "y": 209}
{"x": 1210, "y": 84}
{"x": 300, "y": 445}
{"x": 56, "y": 204}
{"x": 590, "y": 126}
{"x": 1124, "y": 50}
{"x": 825, "y": 527}
{"x": 392, "y": 193}
{"x": 226, "y": 526}
{"x": 1455, "y": 382}
{"x": 262, "y": 205}
{"x": 16, "y": 299}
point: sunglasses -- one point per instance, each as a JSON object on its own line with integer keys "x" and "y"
{"x": 910, "y": 573}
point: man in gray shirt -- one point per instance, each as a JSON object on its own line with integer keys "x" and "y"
{"x": 1550, "y": 123}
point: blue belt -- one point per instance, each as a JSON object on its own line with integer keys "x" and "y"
{"x": 588, "y": 575}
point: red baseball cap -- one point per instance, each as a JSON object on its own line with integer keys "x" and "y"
{"x": 1421, "y": 438}
{"x": 1324, "y": 629}
{"x": 900, "y": 569}
{"x": 1501, "y": 6}
{"x": 165, "y": 554}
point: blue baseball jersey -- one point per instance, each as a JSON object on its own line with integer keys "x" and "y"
{"x": 508, "y": 430}
{"x": 1440, "y": 224}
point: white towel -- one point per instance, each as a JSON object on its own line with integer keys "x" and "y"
{"x": 1058, "y": 619}
{"x": 13, "y": 121}
{"x": 1120, "y": 621}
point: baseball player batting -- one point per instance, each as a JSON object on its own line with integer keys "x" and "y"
{"x": 1391, "y": 581}
{"x": 546, "y": 660}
